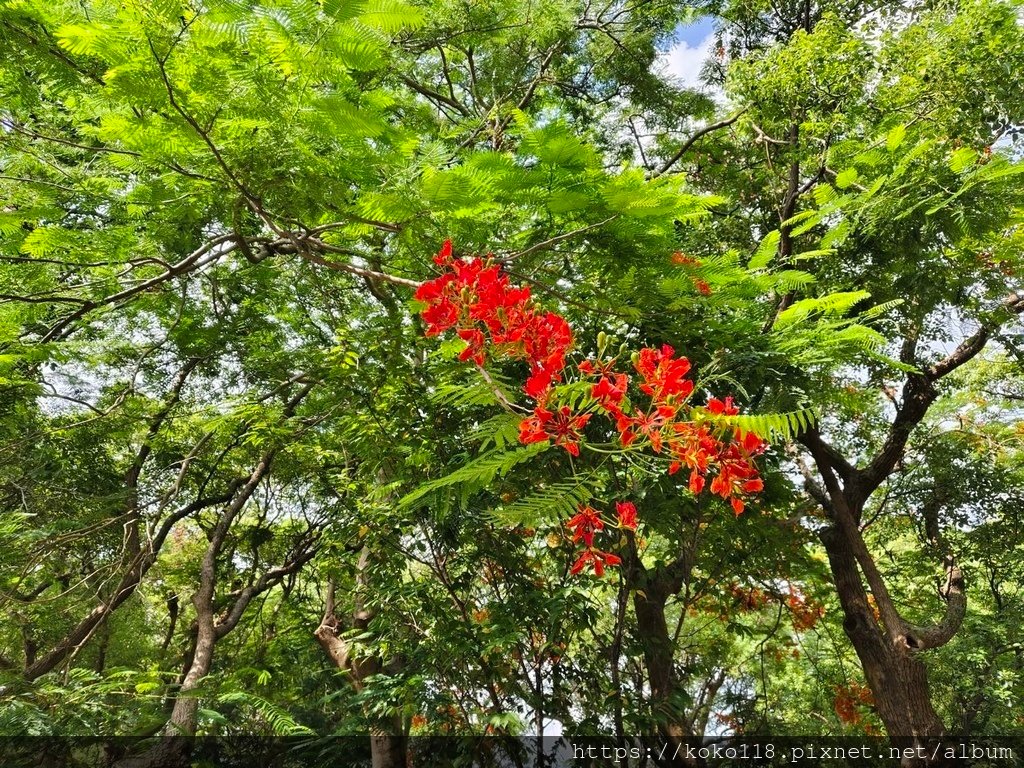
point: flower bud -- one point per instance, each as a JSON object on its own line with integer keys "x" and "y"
{"x": 602, "y": 342}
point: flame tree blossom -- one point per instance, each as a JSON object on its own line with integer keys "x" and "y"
{"x": 499, "y": 320}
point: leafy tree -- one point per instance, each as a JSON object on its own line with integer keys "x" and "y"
{"x": 226, "y": 437}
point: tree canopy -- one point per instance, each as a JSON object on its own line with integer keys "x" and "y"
{"x": 400, "y": 370}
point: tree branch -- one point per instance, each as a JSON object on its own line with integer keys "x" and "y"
{"x": 693, "y": 140}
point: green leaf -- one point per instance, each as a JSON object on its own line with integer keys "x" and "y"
{"x": 895, "y": 137}
{"x": 766, "y": 251}
{"x": 846, "y": 178}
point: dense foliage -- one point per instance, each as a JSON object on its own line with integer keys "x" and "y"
{"x": 703, "y": 423}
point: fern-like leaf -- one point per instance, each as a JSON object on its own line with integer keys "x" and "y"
{"x": 475, "y": 475}
{"x": 554, "y": 502}
{"x": 774, "y": 426}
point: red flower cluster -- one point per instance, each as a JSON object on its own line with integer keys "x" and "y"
{"x": 749, "y": 598}
{"x": 588, "y": 522}
{"x": 600, "y": 559}
{"x": 561, "y": 425}
{"x": 489, "y": 314}
{"x": 664, "y": 375}
{"x": 689, "y": 261}
{"x": 495, "y": 319}
{"x": 729, "y": 455}
{"x": 851, "y": 701}
{"x": 585, "y": 525}
{"x": 805, "y": 611}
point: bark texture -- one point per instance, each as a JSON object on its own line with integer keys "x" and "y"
{"x": 651, "y": 590}
{"x": 388, "y": 737}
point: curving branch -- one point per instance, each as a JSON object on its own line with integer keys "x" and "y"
{"x": 667, "y": 165}
{"x": 205, "y": 254}
{"x": 843, "y": 508}
{"x": 955, "y": 595}
{"x": 919, "y": 392}
{"x": 438, "y": 98}
{"x": 553, "y": 241}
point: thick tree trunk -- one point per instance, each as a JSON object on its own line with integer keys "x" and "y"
{"x": 389, "y": 747}
{"x": 659, "y": 659}
{"x": 885, "y": 642}
{"x": 898, "y": 680}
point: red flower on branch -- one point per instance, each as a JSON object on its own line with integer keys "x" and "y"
{"x": 722, "y": 407}
{"x": 610, "y": 391}
{"x": 806, "y": 611}
{"x": 585, "y": 524}
{"x": 626, "y": 512}
{"x": 545, "y": 344}
{"x": 560, "y": 425}
{"x": 474, "y": 345}
{"x": 445, "y": 254}
{"x": 494, "y": 317}
{"x": 684, "y": 259}
{"x": 498, "y": 320}
{"x": 647, "y": 425}
{"x": 851, "y": 701}
{"x": 737, "y": 473}
{"x": 664, "y": 376}
{"x": 600, "y": 560}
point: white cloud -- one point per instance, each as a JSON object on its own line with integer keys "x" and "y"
{"x": 684, "y": 61}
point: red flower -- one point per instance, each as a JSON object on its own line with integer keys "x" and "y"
{"x": 545, "y": 340}
{"x": 625, "y": 426}
{"x": 548, "y": 341}
{"x": 805, "y": 610}
{"x": 685, "y": 260}
{"x": 664, "y": 376}
{"x": 731, "y": 463}
{"x": 531, "y": 429}
{"x": 467, "y": 273}
{"x": 626, "y": 511}
{"x": 440, "y": 317}
{"x": 693, "y": 447}
{"x": 753, "y": 444}
{"x": 598, "y": 558}
{"x": 585, "y": 524}
{"x": 445, "y": 254}
{"x": 720, "y": 408}
{"x": 538, "y": 384}
{"x": 609, "y": 392}
{"x": 474, "y": 345}
{"x": 849, "y": 702}
{"x": 560, "y": 425}
{"x": 649, "y": 425}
